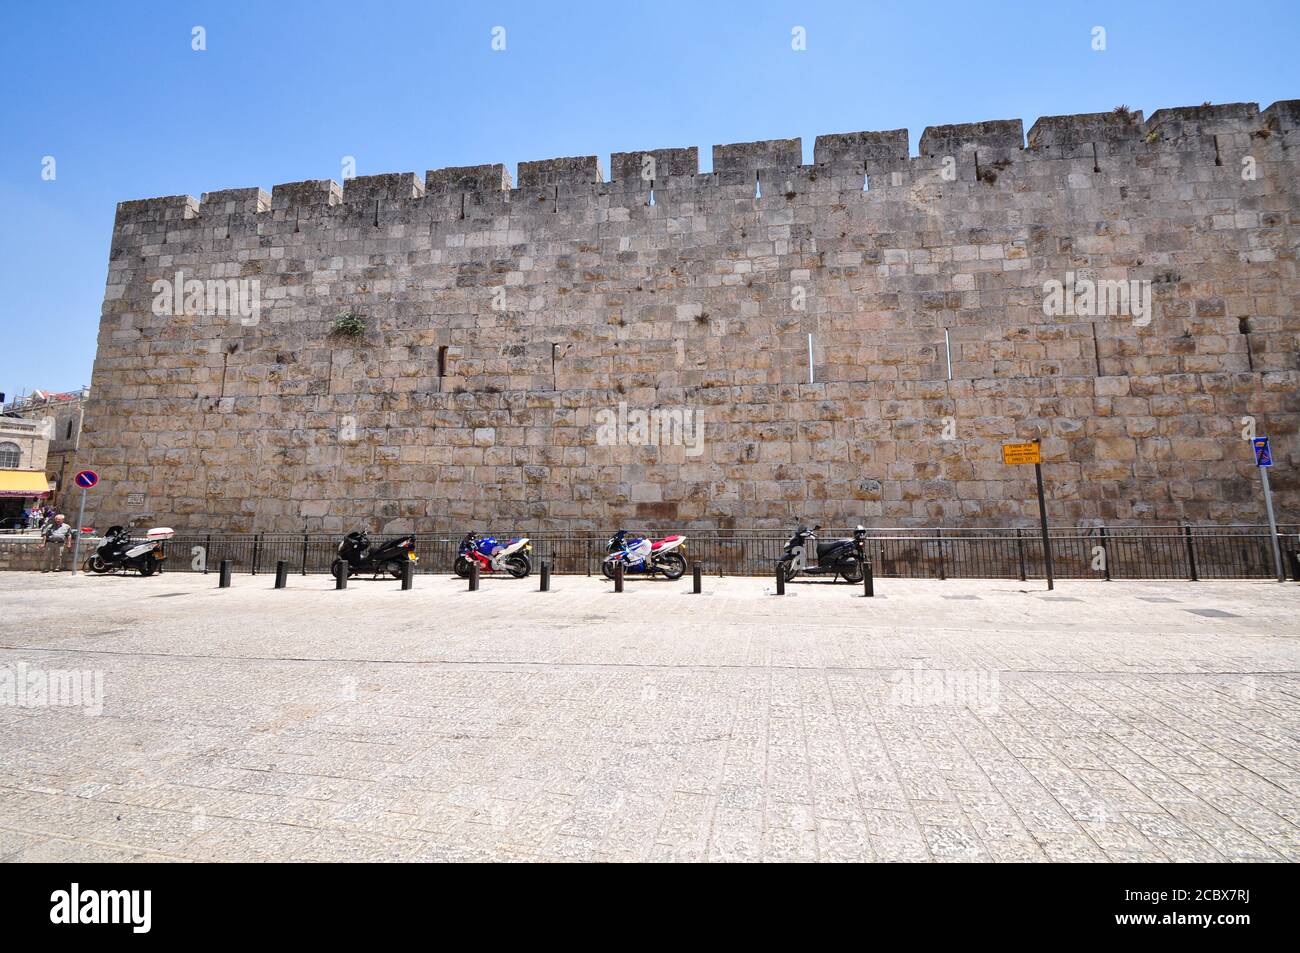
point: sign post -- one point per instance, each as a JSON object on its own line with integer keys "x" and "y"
{"x": 1264, "y": 460}
{"x": 1022, "y": 453}
{"x": 84, "y": 479}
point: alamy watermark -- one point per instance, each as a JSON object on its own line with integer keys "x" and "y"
{"x": 231, "y": 297}
{"x": 977, "y": 690}
{"x": 659, "y": 427}
{"x": 22, "y": 686}
{"x": 1086, "y": 298}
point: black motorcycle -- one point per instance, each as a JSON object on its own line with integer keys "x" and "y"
{"x": 388, "y": 557}
{"x": 119, "y": 551}
{"x": 839, "y": 557}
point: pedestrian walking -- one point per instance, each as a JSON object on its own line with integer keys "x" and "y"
{"x": 58, "y": 540}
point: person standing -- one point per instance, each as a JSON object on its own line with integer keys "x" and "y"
{"x": 58, "y": 540}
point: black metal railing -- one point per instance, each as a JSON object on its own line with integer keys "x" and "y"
{"x": 1093, "y": 552}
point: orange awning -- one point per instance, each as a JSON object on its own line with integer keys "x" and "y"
{"x": 23, "y": 483}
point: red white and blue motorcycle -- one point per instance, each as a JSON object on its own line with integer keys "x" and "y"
{"x": 492, "y": 556}
{"x": 647, "y": 556}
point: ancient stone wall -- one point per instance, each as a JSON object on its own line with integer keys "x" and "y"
{"x": 505, "y": 325}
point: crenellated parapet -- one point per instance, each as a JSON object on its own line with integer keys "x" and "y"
{"x": 1282, "y": 116}
{"x": 981, "y": 150}
{"x": 861, "y": 151}
{"x": 744, "y": 162}
{"x": 573, "y": 171}
{"x": 467, "y": 178}
{"x": 1114, "y": 126}
{"x": 1004, "y": 135}
{"x": 392, "y": 186}
{"x": 312, "y": 193}
{"x": 654, "y": 165}
{"x": 235, "y": 202}
{"x": 1187, "y": 121}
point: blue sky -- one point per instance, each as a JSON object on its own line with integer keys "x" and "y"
{"x": 284, "y": 91}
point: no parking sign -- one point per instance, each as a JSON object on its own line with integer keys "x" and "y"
{"x": 84, "y": 479}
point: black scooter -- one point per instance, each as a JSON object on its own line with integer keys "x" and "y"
{"x": 119, "y": 551}
{"x": 839, "y": 557}
{"x": 388, "y": 557}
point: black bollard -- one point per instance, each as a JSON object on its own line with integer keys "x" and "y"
{"x": 618, "y": 577}
{"x": 408, "y": 575}
{"x": 1295, "y": 564}
{"x": 780, "y": 580}
{"x": 281, "y": 574}
{"x": 341, "y": 580}
{"x": 546, "y": 578}
{"x": 223, "y": 580}
{"x": 868, "y": 580}
{"x": 473, "y": 576}
{"x": 697, "y": 578}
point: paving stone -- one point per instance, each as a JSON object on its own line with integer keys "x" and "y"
{"x": 252, "y": 725}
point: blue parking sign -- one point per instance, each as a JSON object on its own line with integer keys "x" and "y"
{"x": 1263, "y": 452}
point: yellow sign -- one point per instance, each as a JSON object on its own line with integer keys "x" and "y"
{"x": 1020, "y": 453}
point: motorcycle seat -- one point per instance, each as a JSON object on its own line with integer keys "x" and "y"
{"x": 825, "y": 548}
{"x": 660, "y": 542}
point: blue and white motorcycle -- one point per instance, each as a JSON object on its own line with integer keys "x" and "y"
{"x": 492, "y": 556}
{"x": 644, "y": 555}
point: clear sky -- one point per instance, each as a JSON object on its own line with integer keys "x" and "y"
{"x": 116, "y": 94}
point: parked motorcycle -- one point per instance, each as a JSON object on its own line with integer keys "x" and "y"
{"x": 388, "y": 557}
{"x": 119, "y": 551}
{"x": 644, "y": 555}
{"x": 491, "y": 556}
{"x": 838, "y": 557}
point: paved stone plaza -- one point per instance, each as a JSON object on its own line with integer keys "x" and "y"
{"x": 960, "y": 720}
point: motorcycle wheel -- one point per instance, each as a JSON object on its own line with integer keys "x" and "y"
{"x": 789, "y": 570}
{"x": 518, "y": 566}
{"x": 149, "y": 567}
{"x": 851, "y": 570}
{"x": 337, "y": 565}
{"x": 94, "y": 563}
{"x": 673, "y": 566}
{"x": 394, "y": 568}
{"x": 461, "y": 567}
{"x": 608, "y": 569}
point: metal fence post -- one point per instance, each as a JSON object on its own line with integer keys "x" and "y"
{"x": 943, "y": 572}
{"x": 1020, "y": 551}
{"x": 1191, "y": 553}
{"x": 207, "y": 553}
{"x": 304, "y": 554}
{"x": 257, "y": 541}
{"x": 1105, "y": 554}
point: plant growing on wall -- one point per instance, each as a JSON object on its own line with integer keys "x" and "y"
{"x": 349, "y": 324}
